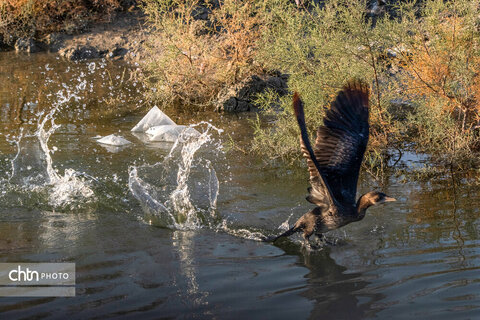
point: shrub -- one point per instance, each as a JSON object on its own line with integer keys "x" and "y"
{"x": 321, "y": 49}
{"x": 441, "y": 58}
{"x": 27, "y": 18}
{"x": 427, "y": 56}
{"x": 201, "y": 47}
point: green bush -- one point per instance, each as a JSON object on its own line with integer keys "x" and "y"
{"x": 427, "y": 57}
{"x": 321, "y": 49}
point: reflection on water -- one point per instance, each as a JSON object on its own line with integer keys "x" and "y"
{"x": 333, "y": 291}
{"x": 418, "y": 258}
{"x": 183, "y": 244}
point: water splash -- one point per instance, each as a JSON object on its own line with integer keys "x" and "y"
{"x": 32, "y": 166}
{"x": 183, "y": 192}
{"x": 249, "y": 234}
{"x": 33, "y": 171}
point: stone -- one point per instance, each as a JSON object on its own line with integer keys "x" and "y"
{"x": 80, "y": 53}
{"x": 26, "y": 45}
{"x": 117, "y": 53}
{"x": 55, "y": 41}
{"x": 240, "y": 97}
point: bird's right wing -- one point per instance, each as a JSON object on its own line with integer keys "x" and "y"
{"x": 320, "y": 193}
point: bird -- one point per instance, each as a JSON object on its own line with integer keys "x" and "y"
{"x": 334, "y": 163}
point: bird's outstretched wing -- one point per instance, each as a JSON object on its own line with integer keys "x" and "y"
{"x": 320, "y": 193}
{"x": 342, "y": 140}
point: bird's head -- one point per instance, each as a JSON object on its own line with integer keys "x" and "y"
{"x": 379, "y": 198}
{"x": 373, "y": 198}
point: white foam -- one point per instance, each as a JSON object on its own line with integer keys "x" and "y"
{"x": 178, "y": 205}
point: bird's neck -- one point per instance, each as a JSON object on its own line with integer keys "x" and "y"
{"x": 363, "y": 204}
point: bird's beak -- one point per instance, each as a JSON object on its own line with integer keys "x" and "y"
{"x": 389, "y": 199}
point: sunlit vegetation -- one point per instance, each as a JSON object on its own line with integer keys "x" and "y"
{"x": 322, "y": 48}
{"x": 200, "y": 48}
{"x": 441, "y": 63}
{"x": 28, "y": 18}
{"x": 421, "y": 59}
{"x": 422, "y": 64}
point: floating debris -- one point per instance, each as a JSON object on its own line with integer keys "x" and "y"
{"x": 114, "y": 140}
{"x": 160, "y": 128}
{"x": 170, "y": 133}
{"x": 154, "y": 117}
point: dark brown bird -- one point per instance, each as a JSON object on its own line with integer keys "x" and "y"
{"x": 335, "y": 163}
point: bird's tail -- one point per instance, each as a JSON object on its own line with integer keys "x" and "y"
{"x": 287, "y": 233}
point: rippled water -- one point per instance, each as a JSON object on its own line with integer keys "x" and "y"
{"x": 122, "y": 215}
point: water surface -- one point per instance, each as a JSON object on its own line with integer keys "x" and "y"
{"x": 66, "y": 198}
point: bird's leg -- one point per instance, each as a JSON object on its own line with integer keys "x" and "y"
{"x": 306, "y": 239}
{"x": 324, "y": 239}
{"x": 309, "y": 244}
{"x": 319, "y": 240}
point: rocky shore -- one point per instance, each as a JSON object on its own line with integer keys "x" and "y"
{"x": 123, "y": 37}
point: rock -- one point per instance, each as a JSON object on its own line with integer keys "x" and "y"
{"x": 200, "y": 12}
{"x": 80, "y": 53}
{"x": 55, "y": 41}
{"x": 240, "y": 97}
{"x": 170, "y": 133}
{"x": 114, "y": 140}
{"x": 117, "y": 53}
{"x": 376, "y": 8}
{"x": 26, "y": 45}
{"x": 3, "y": 46}
{"x": 154, "y": 117}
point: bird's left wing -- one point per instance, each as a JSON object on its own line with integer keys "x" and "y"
{"x": 319, "y": 193}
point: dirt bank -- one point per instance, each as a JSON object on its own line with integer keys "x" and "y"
{"x": 123, "y": 37}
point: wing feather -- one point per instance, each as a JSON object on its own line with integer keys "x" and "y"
{"x": 320, "y": 192}
{"x": 342, "y": 140}
{"x": 334, "y": 163}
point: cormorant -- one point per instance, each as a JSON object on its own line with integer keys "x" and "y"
{"x": 335, "y": 162}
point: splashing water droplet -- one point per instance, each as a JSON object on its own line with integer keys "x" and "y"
{"x": 178, "y": 202}
{"x": 32, "y": 168}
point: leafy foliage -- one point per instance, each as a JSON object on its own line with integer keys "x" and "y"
{"x": 426, "y": 57}
{"x": 212, "y": 46}
{"x": 321, "y": 49}
{"x": 441, "y": 58}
